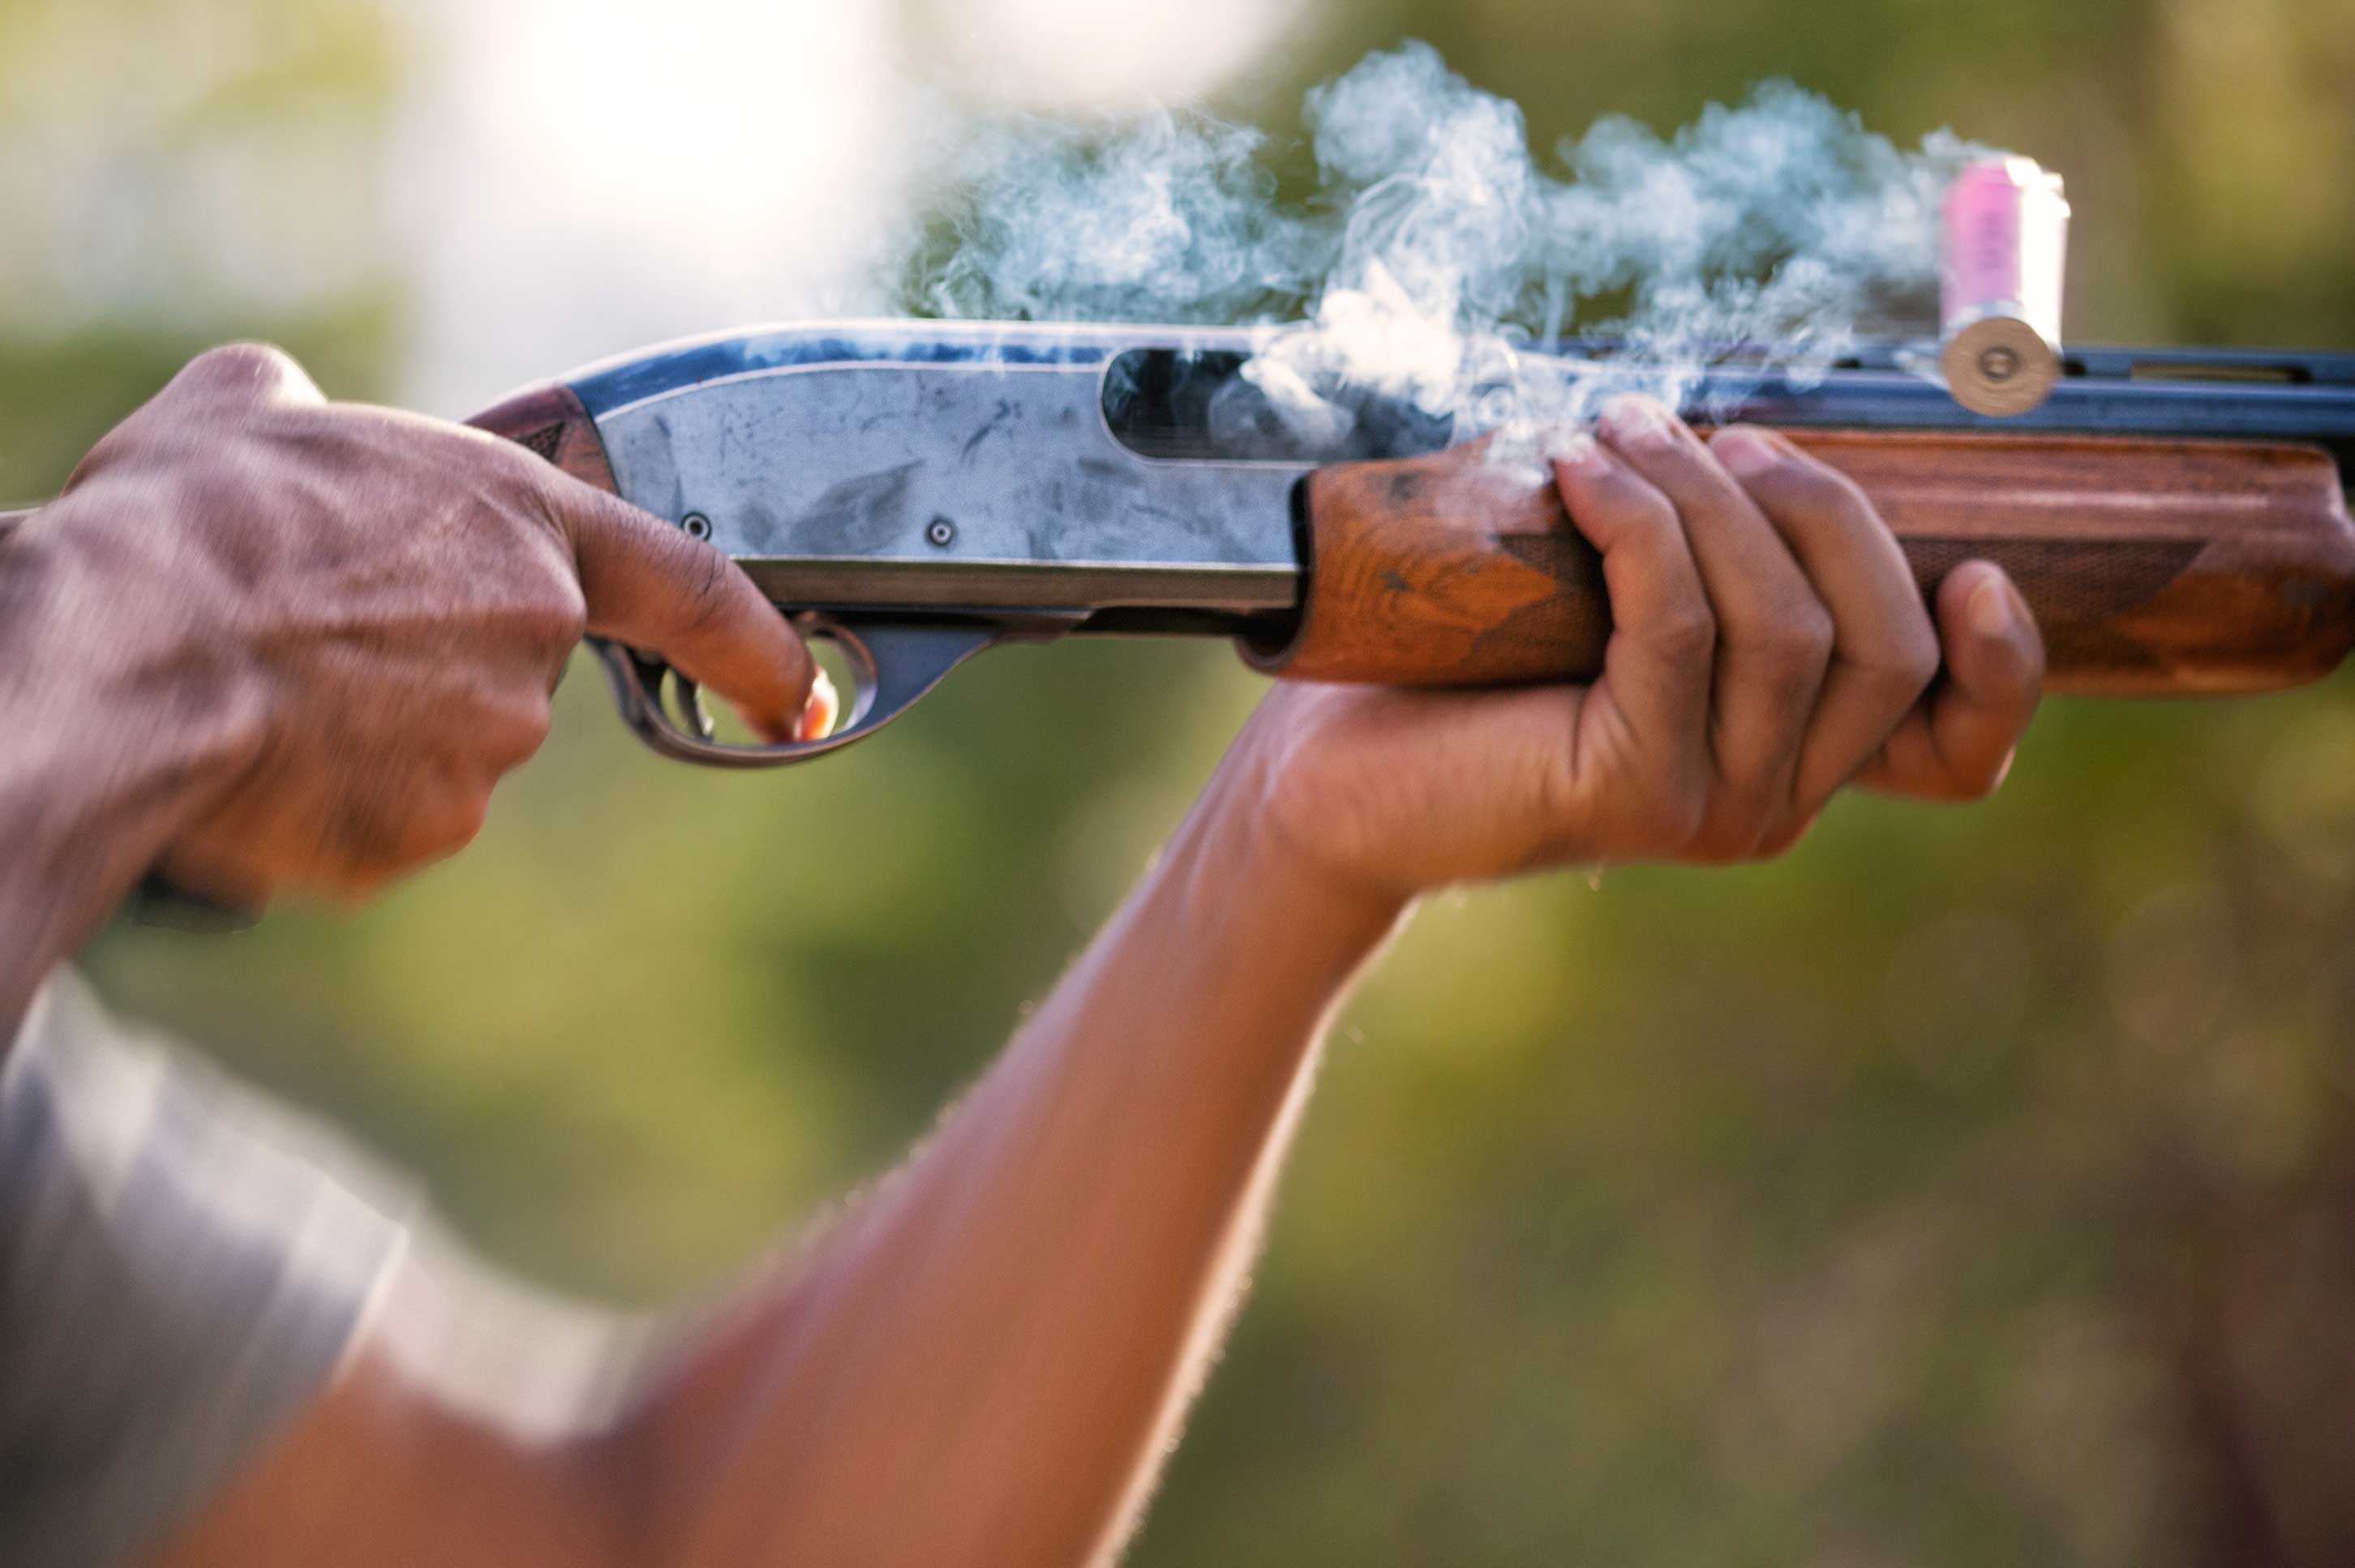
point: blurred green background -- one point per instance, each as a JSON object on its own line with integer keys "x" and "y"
{"x": 1973, "y": 1187}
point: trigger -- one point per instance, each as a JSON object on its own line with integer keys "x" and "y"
{"x": 690, "y": 703}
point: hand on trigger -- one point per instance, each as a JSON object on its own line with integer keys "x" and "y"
{"x": 376, "y": 608}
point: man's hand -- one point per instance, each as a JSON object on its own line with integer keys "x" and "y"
{"x": 1770, "y": 647}
{"x": 372, "y": 607}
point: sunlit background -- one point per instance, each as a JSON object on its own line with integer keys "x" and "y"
{"x": 1971, "y": 1188}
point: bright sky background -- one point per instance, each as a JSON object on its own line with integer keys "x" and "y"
{"x": 577, "y": 178}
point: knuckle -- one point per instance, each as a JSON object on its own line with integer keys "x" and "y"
{"x": 1807, "y": 485}
{"x": 1900, "y": 675}
{"x": 461, "y": 825}
{"x": 1918, "y": 661}
{"x": 1742, "y": 805}
{"x": 1652, "y": 509}
{"x": 1677, "y": 815}
{"x": 1622, "y": 501}
{"x": 709, "y": 580}
{"x": 539, "y": 485}
{"x": 256, "y": 368}
{"x": 1814, "y": 631}
{"x": 516, "y": 731}
{"x": 503, "y": 754}
{"x": 449, "y": 824}
{"x": 558, "y": 614}
{"x": 521, "y": 487}
{"x": 534, "y": 619}
{"x": 1798, "y": 638}
{"x": 1684, "y": 630}
{"x": 467, "y": 819}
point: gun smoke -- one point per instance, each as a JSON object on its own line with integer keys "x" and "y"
{"x": 1436, "y": 251}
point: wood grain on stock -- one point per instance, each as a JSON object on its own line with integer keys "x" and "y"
{"x": 2154, "y": 567}
{"x": 550, "y": 420}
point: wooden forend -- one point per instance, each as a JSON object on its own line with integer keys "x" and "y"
{"x": 2153, "y": 567}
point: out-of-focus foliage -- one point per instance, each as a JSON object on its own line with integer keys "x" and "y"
{"x": 175, "y": 172}
{"x": 1971, "y": 1187}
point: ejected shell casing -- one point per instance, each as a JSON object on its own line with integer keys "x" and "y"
{"x": 2006, "y": 247}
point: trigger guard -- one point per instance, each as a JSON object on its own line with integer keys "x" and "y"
{"x": 893, "y": 662}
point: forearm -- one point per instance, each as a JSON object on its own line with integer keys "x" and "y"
{"x": 981, "y": 1362}
{"x": 105, "y": 758}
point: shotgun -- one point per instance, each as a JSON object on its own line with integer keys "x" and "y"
{"x": 916, "y": 492}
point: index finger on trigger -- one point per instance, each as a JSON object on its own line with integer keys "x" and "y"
{"x": 651, "y": 587}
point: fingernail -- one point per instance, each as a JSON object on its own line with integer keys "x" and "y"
{"x": 1633, "y": 419}
{"x": 1990, "y": 609}
{"x": 1745, "y": 452}
{"x": 1578, "y": 449}
{"x": 819, "y": 714}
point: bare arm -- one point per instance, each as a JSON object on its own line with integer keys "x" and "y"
{"x": 1002, "y": 1337}
{"x": 982, "y": 1362}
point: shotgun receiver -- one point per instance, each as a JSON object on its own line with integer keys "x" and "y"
{"x": 917, "y": 491}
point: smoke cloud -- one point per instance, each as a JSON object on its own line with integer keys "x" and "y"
{"x": 1437, "y": 250}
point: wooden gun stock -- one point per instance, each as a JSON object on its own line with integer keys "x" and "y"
{"x": 550, "y": 421}
{"x": 2154, "y": 567}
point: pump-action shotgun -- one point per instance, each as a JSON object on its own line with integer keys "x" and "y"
{"x": 917, "y": 491}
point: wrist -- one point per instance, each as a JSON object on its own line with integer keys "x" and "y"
{"x": 125, "y": 727}
{"x": 1233, "y": 855}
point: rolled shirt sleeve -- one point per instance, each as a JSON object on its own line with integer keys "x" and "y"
{"x": 180, "y": 1273}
